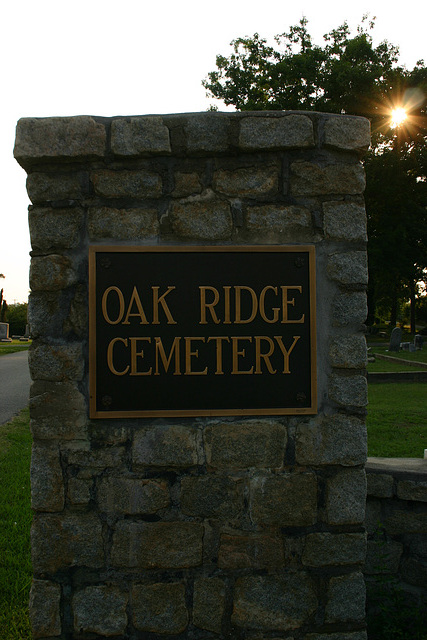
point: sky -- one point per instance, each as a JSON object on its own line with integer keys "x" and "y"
{"x": 136, "y": 57}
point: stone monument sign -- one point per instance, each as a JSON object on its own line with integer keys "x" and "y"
{"x": 198, "y": 362}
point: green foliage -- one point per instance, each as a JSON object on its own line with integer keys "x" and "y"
{"x": 17, "y": 318}
{"x": 15, "y": 520}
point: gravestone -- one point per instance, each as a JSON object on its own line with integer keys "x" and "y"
{"x": 418, "y": 342}
{"x": 4, "y": 332}
{"x": 198, "y": 362}
{"x": 395, "y": 339}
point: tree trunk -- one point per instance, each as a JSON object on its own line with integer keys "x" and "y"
{"x": 412, "y": 299}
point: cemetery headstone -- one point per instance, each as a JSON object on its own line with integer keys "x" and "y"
{"x": 4, "y": 332}
{"x": 395, "y": 339}
{"x": 418, "y": 342}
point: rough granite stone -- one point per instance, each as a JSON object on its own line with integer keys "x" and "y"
{"x": 139, "y": 136}
{"x": 349, "y": 309}
{"x": 159, "y": 608}
{"x": 201, "y": 219}
{"x": 186, "y": 184}
{"x": 346, "y": 598}
{"x": 383, "y": 556}
{"x": 75, "y": 540}
{"x": 122, "y": 224}
{"x": 150, "y": 545}
{"x": 348, "y": 352}
{"x": 357, "y": 635}
{"x": 132, "y": 495}
{"x": 47, "y": 483}
{"x": 242, "y": 445}
{"x": 75, "y": 137}
{"x": 57, "y": 410}
{"x": 212, "y": 497}
{"x": 273, "y": 603}
{"x": 271, "y": 220}
{"x": 166, "y": 446}
{"x": 346, "y": 497}
{"x": 207, "y": 132}
{"x": 53, "y": 229}
{"x": 48, "y": 187}
{"x": 287, "y": 132}
{"x": 412, "y": 490}
{"x": 335, "y": 439}
{"x": 310, "y": 179}
{"x": 247, "y": 181}
{"x": 286, "y": 500}
{"x": 344, "y": 221}
{"x": 100, "y": 609}
{"x": 255, "y": 551}
{"x": 348, "y": 390}
{"x": 51, "y": 273}
{"x": 209, "y": 603}
{"x": 127, "y": 184}
{"x": 323, "y": 549}
{"x": 59, "y": 363}
{"x": 79, "y": 491}
{"x": 380, "y": 485}
{"x": 347, "y": 132}
{"x": 44, "y": 605}
{"x": 349, "y": 268}
{"x": 404, "y": 522}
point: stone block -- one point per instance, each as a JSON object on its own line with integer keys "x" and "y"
{"x": 346, "y": 497}
{"x": 159, "y": 608}
{"x": 348, "y": 352}
{"x": 349, "y": 133}
{"x": 348, "y": 390}
{"x": 207, "y": 132}
{"x": 344, "y": 221}
{"x": 373, "y": 515}
{"x": 273, "y": 603}
{"x": 380, "y": 485}
{"x": 139, "y": 136}
{"x": 383, "y": 556}
{"x": 53, "y": 229}
{"x": 132, "y": 495}
{"x": 212, "y": 497}
{"x": 251, "y": 551}
{"x": 203, "y": 219}
{"x": 417, "y": 544}
{"x": 209, "y": 603}
{"x": 310, "y": 179}
{"x": 57, "y": 410}
{"x": 276, "y": 221}
{"x": 126, "y": 184}
{"x": 122, "y": 224}
{"x": 412, "y": 490}
{"x": 402, "y": 522}
{"x": 100, "y": 609}
{"x": 288, "y": 500}
{"x": 48, "y": 187}
{"x": 335, "y": 439}
{"x": 47, "y": 483}
{"x": 39, "y": 139}
{"x": 57, "y": 363}
{"x": 89, "y": 460}
{"x": 247, "y": 181}
{"x": 414, "y": 572}
{"x": 62, "y": 541}
{"x": 44, "y": 605}
{"x": 52, "y": 273}
{"x": 349, "y": 309}
{"x": 356, "y": 635}
{"x": 79, "y": 491}
{"x": 161, "y": 545}
{"x": 77, "y": 319}
{"x": 350, "y": 268}
{"x": 285, "y": 132}
{"x": 323, "y": 549}
{"x": 166, "y": 446}
{"x": 346, "y": 599}
{"x": 242, "y": 445}
{"x": 186, "y": 184}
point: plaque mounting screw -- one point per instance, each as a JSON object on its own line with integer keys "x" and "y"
{"x": 107, "y": 401}
{"x": 301, "y": 396}
{"x": 299, "y": 261}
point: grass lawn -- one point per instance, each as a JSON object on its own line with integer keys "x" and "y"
{"x": 416, "y": 356}
{"x": 12, "y": 347}
{"x": 397, "y": 420}
{"x": 15, "y": 520}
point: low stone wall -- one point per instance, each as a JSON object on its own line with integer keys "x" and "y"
{"x": 396, "y": 522}
{"x": 207, "y": 527}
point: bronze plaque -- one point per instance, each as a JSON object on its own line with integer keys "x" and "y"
{"x": 202, "y": 331}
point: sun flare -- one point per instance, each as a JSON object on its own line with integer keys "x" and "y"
{"x": 398, "y": 116}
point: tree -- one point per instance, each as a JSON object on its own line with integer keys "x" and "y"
{"x": 17, "y": 318}
{"x": 350, "y": 75}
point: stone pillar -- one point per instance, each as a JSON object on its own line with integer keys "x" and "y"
{"x": 203, "y": 527}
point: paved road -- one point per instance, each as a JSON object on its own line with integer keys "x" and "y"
{"x": 14, "y": 384}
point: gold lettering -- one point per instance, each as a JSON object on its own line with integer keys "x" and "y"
{"x": 167, "y": 359}
{"x": 208, "y": 305}
{"x": 286, "y": 303}
{"x": 134, "y": 354}
{"x": 236, "y": 353}
{"x": 275, "y": 310}
{"x": 286, "y": 353}
{"x": 162, "y": 301}
{"x": 219, "y": 340}
{"x": 264, "y": 356}
{"x": 135, "y": 298}
{"x": 121, "y": 303}
{"x": 189, "y": 354}
{"x": 238, "y": 316}
{"x": 110, "y": 356}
